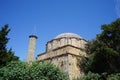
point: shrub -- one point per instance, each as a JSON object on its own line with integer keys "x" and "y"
{"x": 31, "y": 71}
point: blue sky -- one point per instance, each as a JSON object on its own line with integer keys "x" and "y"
{"x": 53, "y": 17}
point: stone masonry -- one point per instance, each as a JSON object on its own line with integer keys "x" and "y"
{"x": 31, "y": 48}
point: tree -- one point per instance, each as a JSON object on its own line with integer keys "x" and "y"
{"x": 104, "y": 51}
{"x": 5, "y": 55}
{"x": 31, "y": 71}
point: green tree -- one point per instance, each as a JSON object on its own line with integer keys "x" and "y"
{"x": 5, "y": 55}
{"x": 31, "y": 71}
{"x": 104, "y": 51}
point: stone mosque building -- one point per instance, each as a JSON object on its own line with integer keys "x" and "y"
{"x": 63, "y": 51}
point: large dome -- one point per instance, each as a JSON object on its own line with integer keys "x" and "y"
{"x": 68, "y": 35}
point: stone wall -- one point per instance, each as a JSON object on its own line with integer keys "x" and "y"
{"x": 55, "y": 43}
{"x": 67, "y": 63}
{"x": 65, "y": 58}
{"x": 73, "y": 69}
{"x": 60, "y": 61}
{"x": 60, "y": 51}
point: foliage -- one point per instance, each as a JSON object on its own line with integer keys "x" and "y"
{"x": 31, "y": 71}
{"x": 5, "y": 55}
{"x": 90, "y": 76}
{"x": 114, "y": 76}
{"x": 103, "y": 76}
{"x": 104, "y": 51}
{"x": 81, "y": 62}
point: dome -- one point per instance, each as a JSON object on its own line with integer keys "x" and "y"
{"x": 68, "y": 35}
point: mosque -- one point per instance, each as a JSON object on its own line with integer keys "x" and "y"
{"x": 63, "y": 51}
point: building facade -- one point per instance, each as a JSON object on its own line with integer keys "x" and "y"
{"x": 63, "y": 51}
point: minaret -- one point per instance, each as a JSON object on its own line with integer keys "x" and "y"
{"x": 31, "y": 48}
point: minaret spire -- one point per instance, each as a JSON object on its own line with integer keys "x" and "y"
{"x": 32, "y": 45}
{"x": 31, "y": 48}
{"x": 34, "y": 30}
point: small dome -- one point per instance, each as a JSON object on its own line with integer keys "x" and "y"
{"x": 68, "y": 35}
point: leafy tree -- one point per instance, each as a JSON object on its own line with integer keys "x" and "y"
{"x": 104, "y": 51}
{"x": 31, "y": 71}
{"x": 5, "y": 55}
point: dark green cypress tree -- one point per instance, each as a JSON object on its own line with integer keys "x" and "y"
{"x": 5, "y": 55}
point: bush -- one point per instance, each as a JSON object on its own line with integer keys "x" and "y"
{"x": 90, "y": 76}
{"x": 31, "y": 71}
{"x": 114, "y": 76}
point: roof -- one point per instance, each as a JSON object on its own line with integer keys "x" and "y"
{"x": 68, "y": 35}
